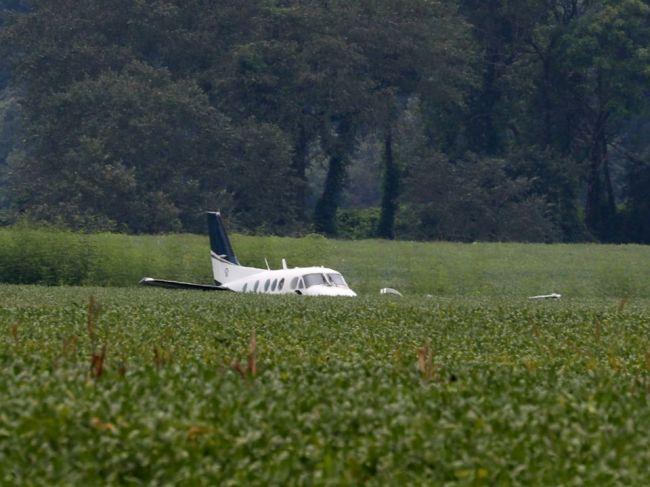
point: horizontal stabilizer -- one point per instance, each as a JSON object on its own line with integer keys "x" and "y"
{"x": 149, "y": 281}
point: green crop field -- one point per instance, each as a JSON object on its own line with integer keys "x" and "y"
{"x": 29, "y": 256}
{"x": 463, "y": 380}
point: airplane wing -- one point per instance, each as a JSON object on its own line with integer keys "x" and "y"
{"x": 150, "y": 281}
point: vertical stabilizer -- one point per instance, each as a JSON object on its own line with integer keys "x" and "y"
{"x": 225, "y": 266}
{"x": 219, "y": 241}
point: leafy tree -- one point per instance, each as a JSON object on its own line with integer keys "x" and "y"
{"x": 472, "y": 200}
{"x": 411, "y": 46}
{"x": 134, "y": 148}
{"x": 260, "y": 178}
{"x": 556, "y": 178}
{"x": 113, "y": 140}
{"x": 608, "y": 51}
{"x": 560, "y": 79}
{"x": 635, "y": 149}
{"x": 465, "y": 199}
{"x": 501, "y": 29}
{"x": 140, "y": 115}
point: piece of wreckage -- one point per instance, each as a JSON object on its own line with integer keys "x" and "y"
{"x": 546, "y": 296}
{"x": 230, "y": 275}
{"x": 390, "y": 291}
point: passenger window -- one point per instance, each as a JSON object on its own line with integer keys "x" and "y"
{"x": 267, "y": 284}
{"x": 245, "y": 287}
{"x": 315, "y": 279}
{"x": 294, "y": 283}
{"x": 257, "y": 285}
{"x": 301, "y": 284}
{"x": 274, "y": 285}
{"x": 281, "y": 284}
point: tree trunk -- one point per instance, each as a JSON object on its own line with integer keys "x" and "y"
{"x": 487, "y": 140}
{"x": 328, "y": 203}
{"x": 611, "y": 217}
{"x": 299, "y": 166}
{"x": 386, "y": 226}
{"x": 593, "y": 215}
{"x": 546, "y": 107}
{"x": 600, "y": 207}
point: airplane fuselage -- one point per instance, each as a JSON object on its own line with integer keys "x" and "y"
{"x": 308, "y": 281}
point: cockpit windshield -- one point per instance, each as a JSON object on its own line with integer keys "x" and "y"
{"x": 314, "y": 280}
{"x": 337, "y": 280}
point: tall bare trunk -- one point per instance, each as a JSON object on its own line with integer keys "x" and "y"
{"x": 386, "y": 226}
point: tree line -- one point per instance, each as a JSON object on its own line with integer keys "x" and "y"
{"x": 485, "y": 119}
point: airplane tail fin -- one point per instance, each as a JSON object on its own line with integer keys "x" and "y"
{"x": 225, "y": 266}
{"x": 219, "y": 241}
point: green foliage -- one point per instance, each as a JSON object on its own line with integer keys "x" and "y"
{"x": 637, "y": 225}
{"x": 472, "y": 200}
{"x": 607, "y": 49}
{"x": 560, "y": 79}
{"x": 610, "y": 45}
{"x": 151, "y": 386}
{"x": 54, "y": 257}
{"x": 139, "y": 116}
{"x": 554, "y": 178}
{"x": 120, "y": 138}
{"x": 357, "y": 224}
{"x": 135, "y": 152}
{"x": 32, "y": 256}
{"x": 8, "y": 123}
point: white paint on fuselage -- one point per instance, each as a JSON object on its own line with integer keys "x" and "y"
{"x": 280, "y": 281}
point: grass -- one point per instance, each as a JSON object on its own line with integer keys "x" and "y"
{"x": 29, "y": 256}
{"x": 133, "y": 386}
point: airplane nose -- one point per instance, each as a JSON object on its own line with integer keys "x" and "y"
{"x": 344, "y": 292}
{"x": 329, "y": 291}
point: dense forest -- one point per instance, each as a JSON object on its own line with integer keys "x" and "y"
{"x": 417, "y": 119}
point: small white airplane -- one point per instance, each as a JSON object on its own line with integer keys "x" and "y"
{"x": 230, "y": 275}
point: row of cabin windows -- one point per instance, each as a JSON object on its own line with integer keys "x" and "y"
{"x": 298, "y": 283}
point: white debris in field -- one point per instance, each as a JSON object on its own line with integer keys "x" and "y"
{"x": 546, "y": 296}
{"x": 390, "y": 290}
